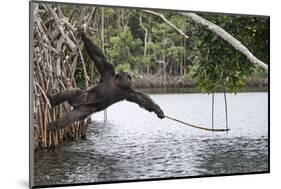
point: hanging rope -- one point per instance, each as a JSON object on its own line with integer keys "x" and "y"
{"x": 197, "y": 127}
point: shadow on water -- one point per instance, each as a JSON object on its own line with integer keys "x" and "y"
{"x": 137, "y": 145}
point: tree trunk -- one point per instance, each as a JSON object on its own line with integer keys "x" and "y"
{"x": 102, "y": 29}
{"x": 145, "y": 35}
{"x": 164, "y": 67}
{"x": 145, "y": 41}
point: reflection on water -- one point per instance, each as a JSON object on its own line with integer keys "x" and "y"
{"x": 135, "y": 144}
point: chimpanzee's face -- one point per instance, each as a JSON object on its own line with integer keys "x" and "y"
{"x": 123, "y": 80}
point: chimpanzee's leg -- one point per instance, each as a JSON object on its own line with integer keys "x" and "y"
{"x": 67, "y": 95}
{"x": 77, "y": 114}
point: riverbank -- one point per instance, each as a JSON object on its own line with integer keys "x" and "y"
{"x": 182, "y": 90}
{"x": 148, "y": 81}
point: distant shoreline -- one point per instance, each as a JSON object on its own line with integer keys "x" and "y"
{"x": 194, "y": 90}
{"x": 150, "y": 82}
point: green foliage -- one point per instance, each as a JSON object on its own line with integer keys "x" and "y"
{"x": 222, "y": 67}
{"x": 174, "y": 53}
{"x": 204, "y": 57}
{"x": 124, "y": 49}
{"x": 125, "y": 68}
{"x": 190, "y": 74}
{"x": 219, "y": 64}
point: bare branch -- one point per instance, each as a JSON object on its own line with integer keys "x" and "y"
{"x": 38, "y": 22}
{"x": 145, "y": 36}
{"x": 59, "y": 24}
{"x": 44, "y": 94}
{"x": 91, "y": 16}
{"x": 55, "y": 58}
{"x": 167, "y": 22}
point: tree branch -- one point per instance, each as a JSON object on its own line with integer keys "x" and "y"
{"x": 167, "y": 22}
{"x": 227, "y": 37}
{"x": 59, "y": 24}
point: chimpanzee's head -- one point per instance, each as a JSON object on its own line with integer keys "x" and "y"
{"x": 123, "y": 80}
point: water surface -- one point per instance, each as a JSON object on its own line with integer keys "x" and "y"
{"x": 135, "y": 144}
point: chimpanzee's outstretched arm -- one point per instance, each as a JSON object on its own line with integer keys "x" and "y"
{"x": 104, "y": 68}
{"x": 145, "y": 102}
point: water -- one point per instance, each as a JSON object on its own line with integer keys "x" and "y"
{"x": 135, "y": 144}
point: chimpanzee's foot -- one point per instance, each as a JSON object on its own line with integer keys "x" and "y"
{"x": 52, "y": 127}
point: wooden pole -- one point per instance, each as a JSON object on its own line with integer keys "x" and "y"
{"x": 213, "y": 99}
{"x": 226, "y": 114}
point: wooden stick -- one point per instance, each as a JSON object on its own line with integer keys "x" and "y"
{"x": 197, "y": 127}
{"x": 226, "y": 114}
{"x": 45, "y": 96}
{"x": 213, "y": 99}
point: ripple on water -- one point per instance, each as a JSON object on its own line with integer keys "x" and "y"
{"x": 137, "y": 145}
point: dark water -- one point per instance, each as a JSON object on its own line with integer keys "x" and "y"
{"x": 135, "y": 144}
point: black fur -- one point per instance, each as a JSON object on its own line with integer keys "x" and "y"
{"x": 112, "y": 88}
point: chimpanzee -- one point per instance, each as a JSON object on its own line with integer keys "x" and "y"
{"x": 112, "y": 87}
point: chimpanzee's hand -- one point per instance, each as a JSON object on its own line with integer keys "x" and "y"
{"x": 160, "y": 113}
